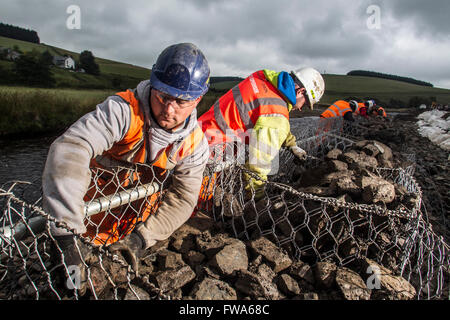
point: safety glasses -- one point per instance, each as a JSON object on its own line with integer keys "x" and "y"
{"x": 179, "y": 103}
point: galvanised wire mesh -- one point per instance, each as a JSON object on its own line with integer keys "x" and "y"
{"x": 309, "y": 227}
{"x": 313, "y": 228}
{"x": 31, "y": 261}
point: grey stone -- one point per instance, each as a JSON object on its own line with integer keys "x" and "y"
{"x": 210, "y": 245}
{"x": 347, "y": 185}
{"x": 336, "y": 165}
{"x": 333, "y": 154}
{"x": 256, "y": 287}
{"x": 325, "y": 273}
{"x": 376, "y": 189}
{"x": 352, "y": 285}
{"x": 307, "y": 296}
{"x": 277, "y": 259}
{"x": 302, "y": 271}
{"x": 136, "y": 293}
{"x": 288, "y": 285}
{"x": 173, "y": 279}
{"x": 231, "y": 258}
{"x": 213, "y": 289}
{"x": 265, "y": 272}
{"x": 194, "y": 257}
{"x": 384, "y": 284}
{"x": 168, "y": 260}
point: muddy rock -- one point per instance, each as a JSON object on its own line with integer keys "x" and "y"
{"x": 347, "y": 185}
{"x": 211, "y": 244}
{"x": 336, "y": 165}
{"x": 265, "y": 272}
{"x": 254, "y": 286}
{"x": 288, "y": 285}
{"x": 386, "y": 285}
{"x": 302, "y": 271}
{"x": 307, "y": 296}
{"x": 136, "y": 293}
{"x": 376, "y": 190}
{"x": 174, "y": 279}
{"x": 325, "y": 274}
{"x": 231, "y": 258}
{"x": 333, "y": 154}
{"x": 169, "y": 260}
{"x": 194, "y": 258}
{"x": 336, "y": 176}
{"x": 357, "y": 159}
{"x": 274, "y": 256}
{"x": 213, "y": 289}
{"x": 352, "y": 285}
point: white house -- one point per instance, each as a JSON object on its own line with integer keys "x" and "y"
{"x": 64, "y": 62}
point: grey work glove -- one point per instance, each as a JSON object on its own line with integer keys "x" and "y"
{"x": 132, "y": 249}
{"x": 70, "y": 254}
{"x": 298, "y": 152}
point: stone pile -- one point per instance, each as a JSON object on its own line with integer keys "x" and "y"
{"x": 201, "y": 262}
{"x": 350, "y": 176}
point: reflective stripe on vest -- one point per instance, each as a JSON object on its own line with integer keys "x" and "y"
{"x": 246, "y": 102}
{"x": 132, "y": 148}
{"x": 337, "y": 109}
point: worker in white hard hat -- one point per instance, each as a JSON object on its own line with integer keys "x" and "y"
{"x": 256, "y": 112}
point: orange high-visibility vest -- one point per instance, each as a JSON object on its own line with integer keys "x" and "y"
{"x": 337, "y": 109}
{"x": 383, "y": 112}
{"x": 239, "y": 109}
{"x": 133, "y": 147}
{"x": 362, "y": 109}
{"x": 104, "y": 228}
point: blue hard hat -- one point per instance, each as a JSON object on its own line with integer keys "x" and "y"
{"x": 181, "y": 71}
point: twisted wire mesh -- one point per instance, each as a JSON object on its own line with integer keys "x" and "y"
{"x": 31, "y": 260}
{"x": 313, "y": 228}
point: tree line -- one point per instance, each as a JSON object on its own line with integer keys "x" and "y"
{"x": 18, "y": 33}
{"x": 388, "y": 76}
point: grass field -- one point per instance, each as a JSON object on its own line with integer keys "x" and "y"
{"x": 26, "y": 111}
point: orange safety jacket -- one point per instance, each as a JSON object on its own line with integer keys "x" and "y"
{"x": 133, "y": 147}
{"x": 105, "y": 228}
{"x": 362, "y": 109}
{"x": 383, "y": 112}
{"x": 239, "y": 109}
{"x": 337, "y": 109}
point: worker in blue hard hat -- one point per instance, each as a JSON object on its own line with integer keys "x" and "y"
{"x": 154, "y": 124}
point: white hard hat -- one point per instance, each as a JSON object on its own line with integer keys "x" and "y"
{"x": 313, "y": 82}
{"x": 353, "y": 105}
{"x": 370, "y": 103}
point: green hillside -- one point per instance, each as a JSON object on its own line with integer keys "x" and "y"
{"x": 339, "y": 86}
{"x": 112, "y": 73}
{"x": 343, "y": 86}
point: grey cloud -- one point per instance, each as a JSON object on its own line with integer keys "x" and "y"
{"x": 240, "y": 36}
{"x": 430, "y": 17}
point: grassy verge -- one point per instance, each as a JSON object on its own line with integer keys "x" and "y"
{"x": 28, "y": 111}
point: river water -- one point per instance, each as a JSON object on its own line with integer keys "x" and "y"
{"x": 23, "y": 160}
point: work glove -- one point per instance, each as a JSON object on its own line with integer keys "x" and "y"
{"x": 298, "y": 152}
{"x": 69, "y": 254}
{"x": 132, "y": 249}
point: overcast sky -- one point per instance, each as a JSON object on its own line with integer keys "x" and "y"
{"x": 403, "y": 37}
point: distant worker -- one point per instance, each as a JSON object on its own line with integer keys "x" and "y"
{"x": 341, "y": 108}
{"x": 154, "y": 124}
{"x": 374, "y": 109}
{"x": 256, "y": 112}
{"x": 361, "y": 110}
